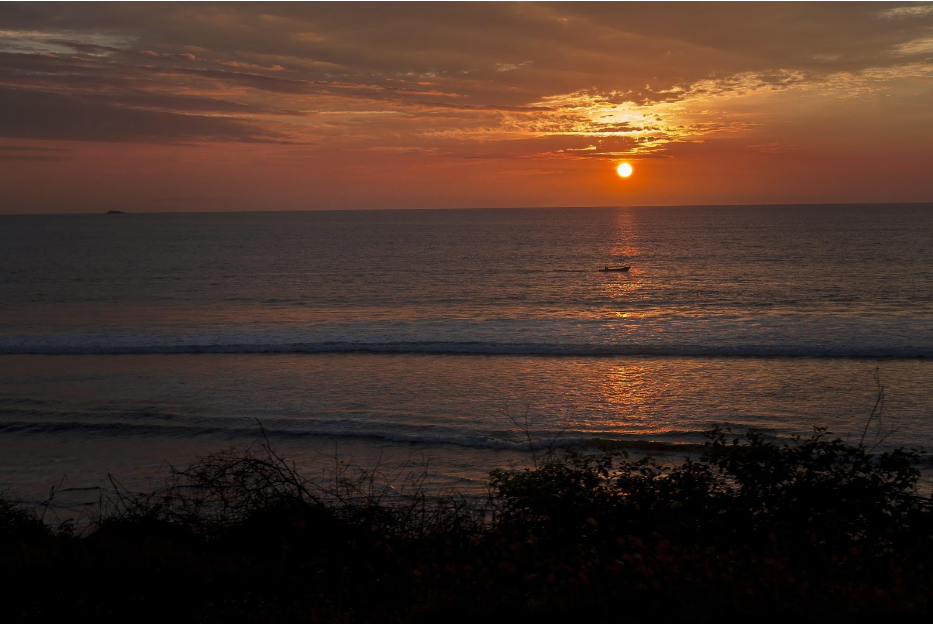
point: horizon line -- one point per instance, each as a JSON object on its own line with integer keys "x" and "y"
{"x": 476, "y": 208}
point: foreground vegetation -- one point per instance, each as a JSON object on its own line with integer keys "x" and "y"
{"x": 811, "y": 528}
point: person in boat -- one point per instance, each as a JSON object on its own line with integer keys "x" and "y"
{"x": 607, "y": 268}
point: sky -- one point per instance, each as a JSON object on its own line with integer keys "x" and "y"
{"x": 302, "y": 106}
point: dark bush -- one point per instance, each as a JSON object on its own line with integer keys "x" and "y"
{"x": 814, "y": 492}
{"x": 809, "y": 528}
{"x": 19, "y": 524}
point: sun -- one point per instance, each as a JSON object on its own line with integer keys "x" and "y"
{"x": 624, "y": 170}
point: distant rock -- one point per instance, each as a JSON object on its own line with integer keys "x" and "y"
{"x": 115, "y": 212}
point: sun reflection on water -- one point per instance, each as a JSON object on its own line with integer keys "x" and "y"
{"x": 626, "y": 395}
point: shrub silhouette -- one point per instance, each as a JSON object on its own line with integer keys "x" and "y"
{"x": 814, "y": 492}
{"x": 811, "y": 528}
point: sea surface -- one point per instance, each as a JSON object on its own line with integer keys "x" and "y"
{"x": 449, "y": 338}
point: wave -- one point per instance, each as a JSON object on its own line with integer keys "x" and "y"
{"x": 415, "y": 439}
{"x": 65, "y": 347}
{"x": 679, "y": 443}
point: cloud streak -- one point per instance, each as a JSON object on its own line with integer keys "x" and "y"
{"x": 573, "y": 82}
{"x": 583, "y": 67}
{"x": 56, "y": 116}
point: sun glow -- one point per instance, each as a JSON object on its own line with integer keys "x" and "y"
{"x": 624, "y": 170}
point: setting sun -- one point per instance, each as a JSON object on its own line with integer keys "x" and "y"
{"x": 624, "y": 170}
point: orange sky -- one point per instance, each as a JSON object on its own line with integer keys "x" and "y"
{"x": 167, "y": 107}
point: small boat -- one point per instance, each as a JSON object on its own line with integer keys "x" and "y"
{"x": 609, "y": 268}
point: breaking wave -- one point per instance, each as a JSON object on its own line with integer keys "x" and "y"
{"x": 124, "y": 347}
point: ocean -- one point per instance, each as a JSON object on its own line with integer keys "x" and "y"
{"x": 447, "y": 338}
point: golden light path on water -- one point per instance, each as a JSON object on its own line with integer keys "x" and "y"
{"x": 452, "y": 411}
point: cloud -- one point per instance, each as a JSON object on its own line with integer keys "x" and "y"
{"x": 401, "y": 76}
{"x": 42, "y": 115}
{"x": 253, "y": 66}
{"x": 507, "y": 67}
{"x": 16, "y": 153}
{"x": 915, "y": 10}
{"x": 915, "y": 47}
{"x": 181, "y": 56}
{"x": 12, "y": 40}
{"x": 30, "y": 157}
{"x": 27, "y": 148}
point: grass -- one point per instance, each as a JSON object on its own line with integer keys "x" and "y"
{"x": 809, "y": 528}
